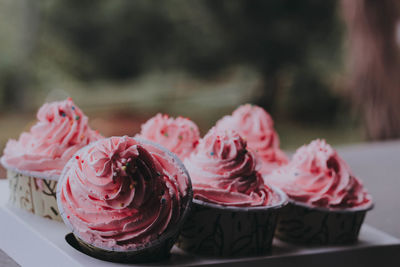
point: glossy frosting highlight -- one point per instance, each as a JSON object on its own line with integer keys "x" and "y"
{"x": 255, "y": 125}
{"x": 179, "y": 135}
{"x": 61, "y": 130}
{"x": 224, "y": 172}
{"x": 318, "y": 177}
{"x": 121, "y": 194}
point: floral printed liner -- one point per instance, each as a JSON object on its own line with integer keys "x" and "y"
{"x": 313, "y": 226}
{"x": 33, "y": 194}
{"x": 228, "y": 233}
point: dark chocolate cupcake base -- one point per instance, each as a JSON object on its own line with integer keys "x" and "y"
{"x": 302, "y": 224}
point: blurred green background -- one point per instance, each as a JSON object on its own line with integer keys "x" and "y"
{"x": 124, "y": 61}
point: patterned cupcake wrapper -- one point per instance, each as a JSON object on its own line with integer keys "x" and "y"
{"x": 228, "y": 232}
{"x": 316, "y": 226}
{"x": 36, "y": 195}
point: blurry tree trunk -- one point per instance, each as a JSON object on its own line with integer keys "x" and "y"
{"x": 18, "y": 78}
{"x": 268, "y": 90}
{"x": 375, "y": 64}
{"x": 12, "y": 91}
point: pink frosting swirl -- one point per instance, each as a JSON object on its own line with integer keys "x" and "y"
{"x": 61, "y": 130}
{"x": 318, "y": 177}
{"x": 255, "y": 125}
{"x": 179, "y": 135}
{"x": 223, "y": 172}
{"x": 120, "y": 193}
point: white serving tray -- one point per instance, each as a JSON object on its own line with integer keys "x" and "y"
{"x": 34, "y": 241}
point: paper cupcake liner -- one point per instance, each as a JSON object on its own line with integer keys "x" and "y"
{"x": 34, "y": 194}
{"x": 217, "y": 230}
{"x": 154, "y": 250}
{"x": 302, "y": 224}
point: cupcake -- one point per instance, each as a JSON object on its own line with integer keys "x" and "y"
{"x": 234, "y": 213}
{"x": 256, "y": 126}
{"x": 34, "y": 162}
{"x": 179, "y": 135}
{"x": 124, "y": 199}
{"x": 327, "y": 202}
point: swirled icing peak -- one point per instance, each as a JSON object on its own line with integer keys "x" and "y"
{"x": 61, "y": 130}
{"x": 179, "y": 135}
{"x": 120, "y": 193}
{"x": 224, "y": 172}
{"x": 255, "y": 125}
{"x": 319, "y": 177}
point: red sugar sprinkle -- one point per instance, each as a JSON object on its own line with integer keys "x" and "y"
{"x": 195, "y": 143}
{"x": 77, "y": 157}
{"x": 68, "y": 217}
{"x": 82, "y": 161}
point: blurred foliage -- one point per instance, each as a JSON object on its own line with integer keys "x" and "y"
{"x": 294, "y": 46}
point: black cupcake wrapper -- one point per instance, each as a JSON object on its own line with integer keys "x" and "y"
{"x": 229, "y": 231}
{"x": 301, "y": 224}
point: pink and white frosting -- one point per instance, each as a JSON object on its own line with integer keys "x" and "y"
{"x": 120, "y": 193}
{"x": 61, "y": 130}
{"x": 318, "y": 177}
{"x": 224, "y": 172}
{"x": 179, "y": 135}
{"x": 255, "y": 125}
